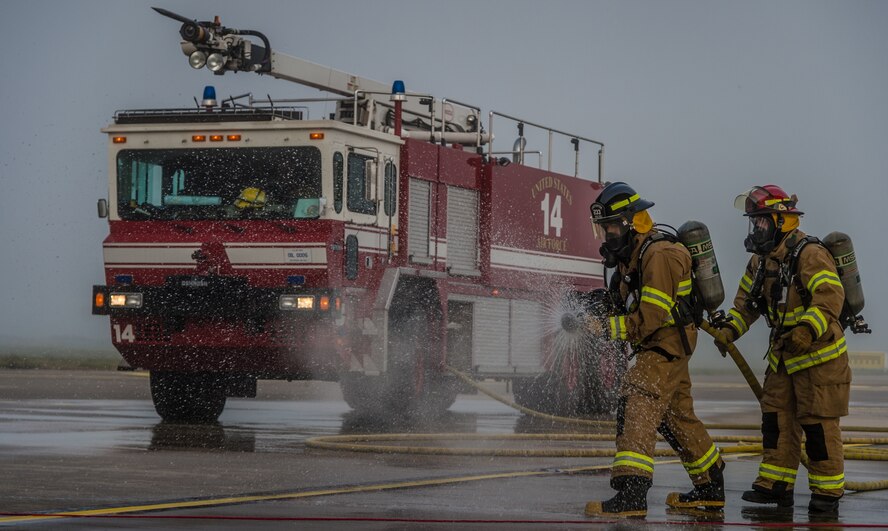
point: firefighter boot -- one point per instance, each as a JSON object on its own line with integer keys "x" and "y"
{"x": 821, "y": 503}
{"x": 709, "y": 495}
{"x": 629, "y": 501}
{"x": 778, "y": 494}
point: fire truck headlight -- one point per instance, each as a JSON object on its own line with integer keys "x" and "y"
{"x": 296, "y": 302}
{"x": 216, "y": 62}
{"x": 197, "y": 59}
{"x": 125, "y": 300}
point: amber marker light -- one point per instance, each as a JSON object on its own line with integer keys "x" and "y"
{"x": 216, "y": 138}
{"x": 233, "y": 138}
{"x": 100, "y": 300}
{"x": 338, "y": 304}
{"x": 119, "y": 139}
{"x": 324, "y": 304}
{"x": 198, "y": 138}
{"x": 316, "y": 136}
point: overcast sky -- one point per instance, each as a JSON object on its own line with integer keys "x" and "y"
{"x": 695, "y": 100}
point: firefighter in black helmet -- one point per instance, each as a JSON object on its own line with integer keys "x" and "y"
{"x": 792, "y": 281}
{"x": 654, "y": 271}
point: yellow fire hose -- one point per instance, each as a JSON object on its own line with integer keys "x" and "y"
{"x": 371, "y": 443}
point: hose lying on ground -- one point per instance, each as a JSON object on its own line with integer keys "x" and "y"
{"x": 371, "y": 443}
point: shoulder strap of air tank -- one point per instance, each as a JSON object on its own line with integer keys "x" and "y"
{"x": 797, "y": 250}
{"x": 652, "y": 239}
{"x": 793, "y": 263}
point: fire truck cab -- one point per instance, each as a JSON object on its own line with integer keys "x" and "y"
{"x": 379, "y": 246}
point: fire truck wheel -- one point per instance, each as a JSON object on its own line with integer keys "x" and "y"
{"x": 410, "y": 387}
{"x": 187, "y": 397}
{"x": 601, "y": 373}
{"x": 417, "y": 387}
{"x": 594, "y": 392}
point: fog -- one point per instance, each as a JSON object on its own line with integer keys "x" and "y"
{"x": 695, "y": 100}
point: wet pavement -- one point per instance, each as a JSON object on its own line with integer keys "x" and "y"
{"x": 91, "y": 443}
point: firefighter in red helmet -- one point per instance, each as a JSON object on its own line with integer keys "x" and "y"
{"x": 796, "y": 288}
{"x": 654, "y": 270}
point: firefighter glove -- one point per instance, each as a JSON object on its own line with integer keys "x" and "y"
{"x": 728, "y": 332}
{"x": 597, "y": 326}
{"x": 798, "y": 340}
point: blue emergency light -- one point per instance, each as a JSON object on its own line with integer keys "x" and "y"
{"x": 209, "y": 96}
{"x": 398, "y": 91}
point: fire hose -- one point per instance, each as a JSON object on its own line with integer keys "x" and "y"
{"x": 745, "y": 444}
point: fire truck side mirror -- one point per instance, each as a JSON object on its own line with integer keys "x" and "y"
{"x": 102, "y": 208}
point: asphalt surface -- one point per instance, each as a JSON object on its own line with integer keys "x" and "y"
{"x": 90, "y": 444}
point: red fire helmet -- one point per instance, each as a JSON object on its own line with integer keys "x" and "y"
{"x": 767, "y": 199}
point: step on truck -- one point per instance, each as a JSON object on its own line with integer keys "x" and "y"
{"x": 379, "y": 245}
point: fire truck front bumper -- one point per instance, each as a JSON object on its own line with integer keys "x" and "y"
{"x": 223, "y": 324}
{"x": 207, "y": 296}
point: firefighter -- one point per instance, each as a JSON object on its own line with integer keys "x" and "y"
{"x": 250, "y": 197}
{"x": 654, "y": 271}
{"x": 807, "y": 381}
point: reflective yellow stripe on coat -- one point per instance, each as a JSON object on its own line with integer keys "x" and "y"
{"x": 810, "y": 359}
{"x": 737, "y": 322}
{"x": 657, "y": 298}
{"x": 746, "y": 283}
{"x": 618, "y": 327}
{"x": 825, "y": 276}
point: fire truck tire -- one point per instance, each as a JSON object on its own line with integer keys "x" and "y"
{"x": 594, "y": 394}
{"x": 410, "y": 387}
{"x": 547, "y": 394}
{"x": 417, "y": 386}
{"x": 602, "y": 373}
{"x": 187, "y": 397}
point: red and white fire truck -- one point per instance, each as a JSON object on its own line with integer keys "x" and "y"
{"x": 377, "y": 246}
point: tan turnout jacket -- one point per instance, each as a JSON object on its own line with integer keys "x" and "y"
{"x": 665, "y": 275}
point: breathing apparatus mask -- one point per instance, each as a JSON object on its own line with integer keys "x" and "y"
{"x": 761, "y": 236}
{"x": 772, "y": 214}
{"x": 617, "y": 215}
{"x": 767, "y": 231}
{"x": 617, "y": 235}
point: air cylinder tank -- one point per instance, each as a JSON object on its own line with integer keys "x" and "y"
{"x": 695, "y": 236}
{"x": 839, "y": 244}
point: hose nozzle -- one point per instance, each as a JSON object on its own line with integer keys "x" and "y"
{"x": 571, "y": 322}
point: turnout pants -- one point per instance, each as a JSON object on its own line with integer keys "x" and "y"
{"x": 656, "y": 396}
{"x": 807, "y": 402}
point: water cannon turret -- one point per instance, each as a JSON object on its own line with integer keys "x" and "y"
{"x": 218, "y": 48}
{"x": 222, "y": 49}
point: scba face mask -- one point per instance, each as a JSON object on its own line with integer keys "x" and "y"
{"x": 762, "y": 237}
{"x": 616, "y": 236}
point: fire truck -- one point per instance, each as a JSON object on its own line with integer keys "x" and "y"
{"x": 380, "y": 246}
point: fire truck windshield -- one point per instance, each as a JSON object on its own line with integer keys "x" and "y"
{"x": 220, "y": 183}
